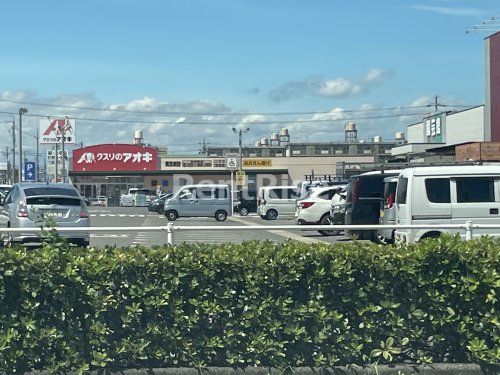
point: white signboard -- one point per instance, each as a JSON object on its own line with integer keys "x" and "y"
{"x": 232, "y": 162}
{"x": 51, "y": 155}
{"x": 52, "y": 130}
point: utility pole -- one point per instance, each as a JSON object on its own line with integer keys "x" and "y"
{"x": 7, "y": 177}
{"x": 57, "y": 164}
{"x": 22, "y": 111}
{"x": 204, "y": 147}
{"x": 63, "y": 133}
{"x": 436, "y": 104}
{"x": 13, "y": 150}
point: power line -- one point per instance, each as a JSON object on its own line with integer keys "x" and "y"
{"x": 185, "y": 113}
{"x": 227, "y": 123}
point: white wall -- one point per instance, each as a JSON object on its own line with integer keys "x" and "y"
{"x": 466, "y": 126}
{"x": 416, "y": 133}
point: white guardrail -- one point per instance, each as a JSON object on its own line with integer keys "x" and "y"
{"x": 170, "y": 228}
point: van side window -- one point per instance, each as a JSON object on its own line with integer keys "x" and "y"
{"x": 438, "y": 190}
{"x": 220, "y": 193}
{"x": 204, "y": 193}
{"x": 402, "y": 190}
{"x": 475, "y": 189}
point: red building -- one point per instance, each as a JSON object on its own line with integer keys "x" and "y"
{"x": 112, "y": 169}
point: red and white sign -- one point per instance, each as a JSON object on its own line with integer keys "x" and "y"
{"x": 52, "y": 130}
{"x": 115, "y": 157}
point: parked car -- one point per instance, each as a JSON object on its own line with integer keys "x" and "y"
{"x": 28, "y": 204}
{"x": 246, "y": 203}
{"x": 364, "y": 195}
{"x": 304, "y": 188}
{"x": 447, "y": 195}
{"x": 127, "y": 200}
{"x": 141, "y": 199}
{"x": 203, "y": 200}
{"x": 157, "y": 204}
{"x": 315, "y": 209}
{"x": 274, "y": 201}
{"x": 101, "y": 201}
{"x": 388, "y": 210}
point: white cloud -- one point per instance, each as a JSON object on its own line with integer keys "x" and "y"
{"x": 183, "y": 133}
{"x": 377, "y": 75}
{"x": 452, "y": 11}
{"x": 339, "y": 87}
{"x": 252, "y": 118}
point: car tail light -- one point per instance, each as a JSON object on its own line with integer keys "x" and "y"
{"x": 84, "y": 214}
{"x": 305, "y": 204}
{"x": 22, "y": 209}
{"x": 390, "y": 201}
{"x": 355, "y": 191}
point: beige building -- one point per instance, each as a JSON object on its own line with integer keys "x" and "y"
{"x": 260, "y": 171}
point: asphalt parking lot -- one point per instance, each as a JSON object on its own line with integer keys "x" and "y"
{"x": 140, "y": 217}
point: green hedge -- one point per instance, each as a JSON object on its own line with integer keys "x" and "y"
{"x": 257, "y": 303}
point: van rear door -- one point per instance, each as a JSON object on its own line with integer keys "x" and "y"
{"x": 476, "y": 199}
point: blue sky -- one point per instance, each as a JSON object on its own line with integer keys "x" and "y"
{"x": 242, "y": 55}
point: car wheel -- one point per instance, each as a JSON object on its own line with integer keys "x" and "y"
{"x": 8, "y": 241}
{"x": 171, "y": 215}
{"x": 243, "y": 211}
{"x": 271, "y": 215}
{"x": 326, "y": 220}
{"x": 220, "y": 215}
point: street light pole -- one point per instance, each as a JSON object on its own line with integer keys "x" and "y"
{"x": 13, "y": 150}
{"x": 240, "y": 132}
{"x": 21, "y": 164}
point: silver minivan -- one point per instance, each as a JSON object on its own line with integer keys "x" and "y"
{"x": 274, "y": 201}
{"x": 204, "y": 200}
{"x": 28, "y": 205}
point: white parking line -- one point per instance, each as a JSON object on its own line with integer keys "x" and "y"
{"x": 109, "y": 236}
{"x": 118, "y": 215}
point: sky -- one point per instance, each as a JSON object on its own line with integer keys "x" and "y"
{"x": 184, "y": 70}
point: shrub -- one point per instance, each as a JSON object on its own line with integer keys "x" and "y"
{"x": 256, "y": 303}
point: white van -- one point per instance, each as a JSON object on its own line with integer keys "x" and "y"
{"x": 447, "y": 195}
{"x": 274, "y": 201}
{"x": 204, "y": 200}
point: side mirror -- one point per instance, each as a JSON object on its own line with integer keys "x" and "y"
{"x": 2, "y": 201}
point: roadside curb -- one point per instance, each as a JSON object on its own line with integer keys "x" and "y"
{"x": 400, "y": 369}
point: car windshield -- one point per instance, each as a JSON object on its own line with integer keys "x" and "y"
{"x": 49, "y": 190}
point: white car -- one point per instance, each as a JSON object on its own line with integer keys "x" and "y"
{"x": 315, "y": 209}
{"x": 276, "y": 200}
{"x": 127, "y": 200}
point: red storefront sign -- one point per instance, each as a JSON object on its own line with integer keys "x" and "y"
{"x": 115, "y": 157}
